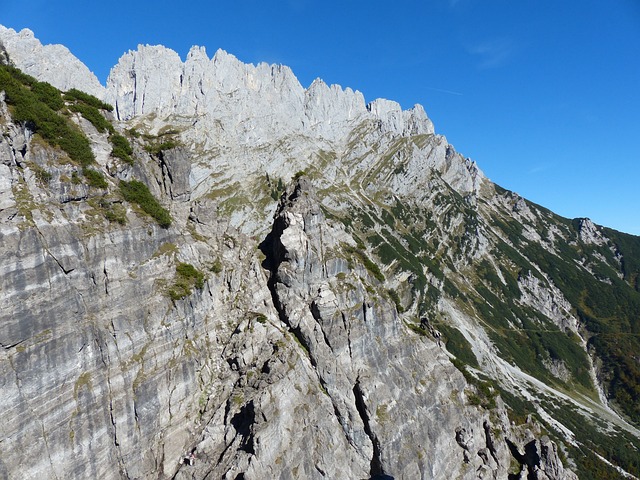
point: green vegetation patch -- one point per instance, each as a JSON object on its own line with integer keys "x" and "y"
{"x": 607, "y": 305}
{"x": 371, "y": 267}
{"x": 36, "y": 105}
{"x": 629, "y": 247}
{"x": 78, "y": 95}
{"x": 48, "y": 94}
{"x": 619, "y": 447}
{"x": 94, "y": 178}
{"x": 156, "y": 144}
{"x": 90, "y": 108}
{"x": 137, "y": 192}
{"x": 276, "y": 189}
{"x": 157, "y": 148}
{"x": 527, "y": 338}
{"x": 458, "y": 345}
{"x": 187, "y": 277}
{"x": 396, "y": 299}
{"x": 417, "y": 328}
{"x": 610, "y": 313}
{"x": 94, "y": 116}
{"x": 121, "y": 148}
{"x": 216, "y": 266}
{"x": 485, "y": 391}
{"x": 42, "y": 175}
{"x": 188, "y": 271}
{"x": 522, "y": 334}
{"x": 112, "y": 211}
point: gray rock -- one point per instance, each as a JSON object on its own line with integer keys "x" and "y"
{"x": 49, "y": 63}
{"x": 258, "y": 103}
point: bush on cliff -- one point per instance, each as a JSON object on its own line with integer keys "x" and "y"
{"x": 138, "y": 193}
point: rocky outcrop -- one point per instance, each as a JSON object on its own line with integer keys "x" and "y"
{"x": 395, "y": 393}
{"x": 357, "y": 344}
{"x": 50, "y": 63}
{"x": 539, "y": 460}
{"x": 103, "y": 375}
{"x": 589, "y": 233}
{"x": 263, "y": 101}
{"x": 548, "y": 300}
{"x": 259, "y": 103}
{"x": 392, "y": 119}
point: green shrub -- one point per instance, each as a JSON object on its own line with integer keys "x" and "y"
{"x": 188, "y": 271}
{"x": 157, "y": 148}
{"x": 138, "y": 193}
{"x": 366, "y": 261}
{"x": 458, "y": 345}
{"x": 77, "y": 146}
{"x": 94, "y": 178}
{"x": 34, "y": 109}
{"x": 276, "y": 191}
{"x": 417, "y": 329}
{"x": 18, "y": 75}
{"x": 121, "y": 148}
{"x": 298, "y": 174}
{"x": 216, "y": 266}
{"x": 180, "y": 289}
{"x": 93, "y": 115}
{"x": 77, "y": 95}
{"x": 116, "y": 214}
{"x": 187, "y": 277}
{"x": 486, "y": 391}
{"x": 396, "y": 299}
{"x": 48, "y": 94}
{"x": 41, "y": 174}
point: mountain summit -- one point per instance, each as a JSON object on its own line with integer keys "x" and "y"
{"x": 209, "y": 271}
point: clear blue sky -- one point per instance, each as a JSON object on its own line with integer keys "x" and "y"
{"x": 544, "y": 95}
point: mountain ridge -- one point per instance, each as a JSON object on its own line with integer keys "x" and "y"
{"x": 24, "y": 47}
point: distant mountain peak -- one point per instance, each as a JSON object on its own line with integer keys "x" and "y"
{"x": 51, "y": 63}
{"x": 154, "y": 79}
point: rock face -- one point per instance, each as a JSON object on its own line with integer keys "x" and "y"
{"x": 51, "y": 63}
{"x": 254, "y": 104}
{"x": 356, "y": 346}
{"x": 338, "y": 295}
{"x": 262, "y": 102}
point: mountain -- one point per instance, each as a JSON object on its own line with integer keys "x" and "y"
{"x": 204, "y": 257}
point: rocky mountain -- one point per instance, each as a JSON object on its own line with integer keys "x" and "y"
{"x": 209, "y": 271}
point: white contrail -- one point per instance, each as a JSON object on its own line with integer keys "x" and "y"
{"x": 444, "y": 91}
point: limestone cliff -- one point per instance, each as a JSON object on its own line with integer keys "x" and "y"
{"x": 52, "y": 63}
{"x": 323, "y": 288}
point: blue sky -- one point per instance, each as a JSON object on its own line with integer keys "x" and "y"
{"x": 544, "y": 95}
